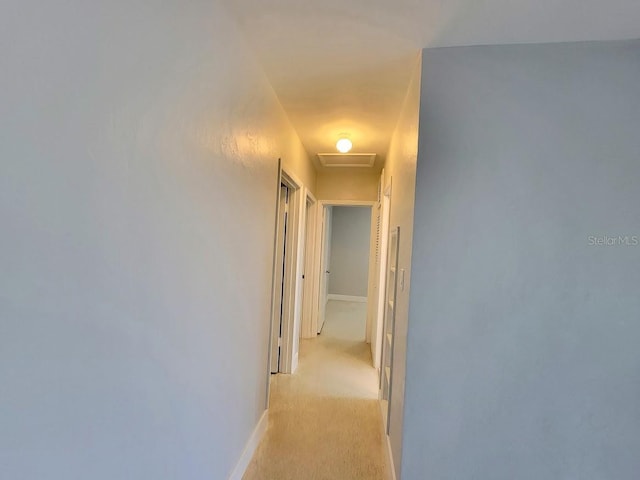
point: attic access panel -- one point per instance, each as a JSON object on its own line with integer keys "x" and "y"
{"x": 365, "y": 160}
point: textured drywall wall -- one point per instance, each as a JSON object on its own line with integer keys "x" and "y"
{"x": 350, "y": 240}
{"x": 138, "y": 146}
{"x": 523, "y": 357}
{"x": 347, "y": 184}
{"x": 400, "y": 174}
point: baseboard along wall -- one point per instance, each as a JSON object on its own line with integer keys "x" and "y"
{"x": 346, "y": 298}
{"x": 250, "y": 448}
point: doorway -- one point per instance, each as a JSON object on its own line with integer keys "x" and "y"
{"x": 282, "y": 261}
{"x": 288, "y": 272}
{"x": 381, "y": 272}
{"x": 336, "y": 356}
{"x": 346, "y": 273}
{"x": 347, "y": 262}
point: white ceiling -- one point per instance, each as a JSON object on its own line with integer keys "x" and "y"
{"x": 344, "y": 65}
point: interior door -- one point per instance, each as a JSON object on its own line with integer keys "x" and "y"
{"x": 302, "y": 286}
{"x": 386, "y": 373}
{"x": 382, "y": 278}
{"x": 326, "y": 256}
{"x": 307, "y": 276}
{"x": 281, "y": 249}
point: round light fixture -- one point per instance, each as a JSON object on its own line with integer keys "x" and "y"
{"x": 344, "y": 145}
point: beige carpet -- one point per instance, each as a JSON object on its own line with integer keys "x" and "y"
{"x": 324, "y": 421}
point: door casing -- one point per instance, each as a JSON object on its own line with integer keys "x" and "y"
{"x": 378, "y": 321}
{"x": 292, "y": 290}
{"x": 310, "y": 283}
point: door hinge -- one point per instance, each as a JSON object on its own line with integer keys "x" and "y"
{"x": 279, "y": 341}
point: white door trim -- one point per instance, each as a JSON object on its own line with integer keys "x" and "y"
{"x": 322, "y": 272}
{"x": 310, "y": 286}
{"x": 293, "y": 270}
{"x": 273, "y": 285}
{"x": 391, "y": 468}
{"x": 347, "y": 203}
{"x": 279, "y": 261}
{"x": 293, "y": 274}
{"x": 371, "y": 277}
{"x": 376, "y": 343}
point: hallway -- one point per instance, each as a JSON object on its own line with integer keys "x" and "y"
{"x": 324, "y": 420}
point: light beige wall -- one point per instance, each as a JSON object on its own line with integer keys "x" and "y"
{"x": 297, "y": 162}
{"x": 400, "y": 169}
{"x": 139, "y": 148}
{"x": 347, "y": 184}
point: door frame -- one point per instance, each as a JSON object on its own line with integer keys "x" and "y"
{"x": 323, "y": 280}
{"x": 320, "y": 246}
{"x": 280, "y": 262}
{"x": 378, "y": 324}
{"x": 311, "y": 289}
{"x": 291, "y": 301}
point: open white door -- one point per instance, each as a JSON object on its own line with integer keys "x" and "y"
{"x": 324, "y": 271}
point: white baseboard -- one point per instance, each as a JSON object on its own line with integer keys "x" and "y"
{"x": 392, "y": 468}
{"x": 346, "y": 298}
{"x": 250, "y": 448}
{"x": 391, "y": 473}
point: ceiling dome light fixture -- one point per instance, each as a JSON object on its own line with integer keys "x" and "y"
{"x": 344, "y": 145}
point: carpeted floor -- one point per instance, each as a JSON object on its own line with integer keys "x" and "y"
{"x": 324, "y": 421}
